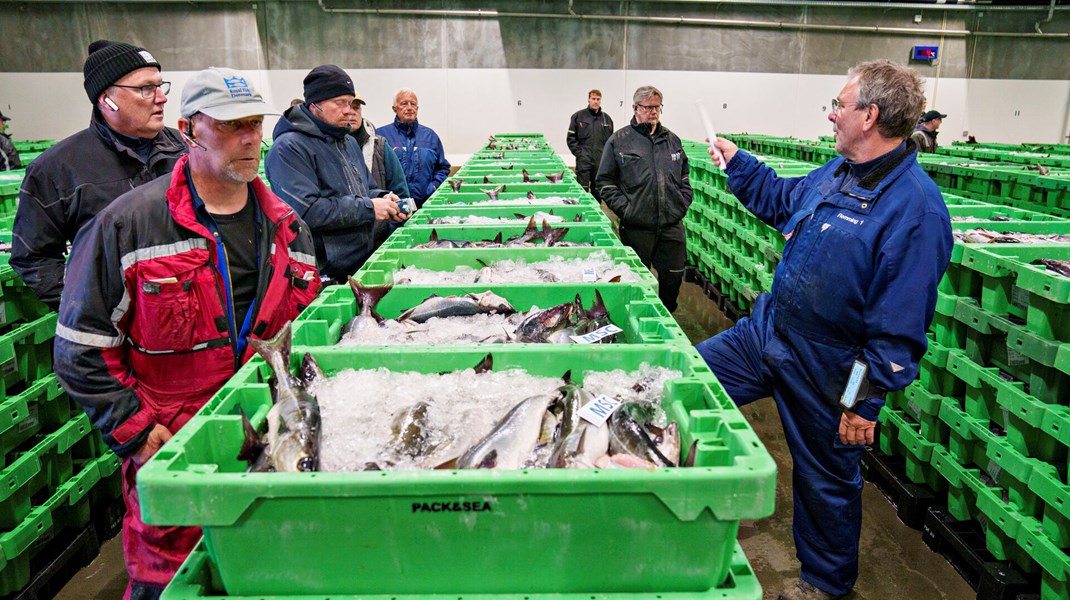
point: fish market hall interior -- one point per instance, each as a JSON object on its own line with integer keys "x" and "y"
{"x": 504, "y": 399}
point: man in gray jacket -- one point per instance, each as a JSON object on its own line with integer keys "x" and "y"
{"x": 643, "y": 178}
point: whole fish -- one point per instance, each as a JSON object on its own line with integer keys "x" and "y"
{"x": 367, "y": 298}
{"x": 627, "y": 436}
{"x": 539, "y": 326}
{"x": 436, "y": 242}
{"x": 411, "y": 433}
{"x": 512, "y": 440}
{"x": 530, "y": 232}
{"x": 489, "y": 302}
{"x": 441, "y": 306}
{"x": 582, "y": 449}
{"x": 1062, "y": 267}
{"x": 292, "y": 440}
{"x": 495, "y": 243}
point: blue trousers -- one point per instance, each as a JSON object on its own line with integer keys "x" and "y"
{"x": 752, "y": 363}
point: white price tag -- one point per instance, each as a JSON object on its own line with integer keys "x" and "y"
{"x": 589, "y": 275}
{"x": 597, "y": 334}
{"x": 598, "y": 411}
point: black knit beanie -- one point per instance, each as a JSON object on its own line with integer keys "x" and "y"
{"x": 109, "y": 61}
{"x": 325, "y": 82}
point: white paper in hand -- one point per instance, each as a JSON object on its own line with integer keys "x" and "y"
{"x": 710, "y": 132}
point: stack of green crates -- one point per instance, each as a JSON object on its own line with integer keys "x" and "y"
{"x": 57, "y": 473}
{"x": 356, "y": 533}
{"x": 1031, "y": 176}
{"x": 987, "y": 422}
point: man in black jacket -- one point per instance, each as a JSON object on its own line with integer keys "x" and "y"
{"x": 643, "y": 178}
{"x": 9, "y": 156}
{"x": 925, "y": 132}
{"x": 587, "y": 134}
{"x": 126, "y": 145}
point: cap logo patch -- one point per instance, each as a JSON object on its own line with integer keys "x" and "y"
{"x": 238, "y": 87}
{"x": 147, "y": 56}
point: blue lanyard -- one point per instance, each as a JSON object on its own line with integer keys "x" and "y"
{"x": 241, "y": 335}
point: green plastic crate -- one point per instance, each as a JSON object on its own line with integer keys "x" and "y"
{"x": 1012, "y": 286}
{"x": 43, "y": 406}
{"x": 380, "y": 268}
{"x": 67, "y": 507}
{"x": 198, "y": 579}
{"x": 538, "y": 174}
{"x": 324, "y": 533}
{"x": 634, "y": 308}
{"x": 18, "y": 303}
{"x": 521, "y": 214}
{"x": 1054, "y": 561}
{"x": 26, "y": 354}
{"x": 405, "y": 238}
{"x": 899, "y": 437}
{"x": 47, "y": 464}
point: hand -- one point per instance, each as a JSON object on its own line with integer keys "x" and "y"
{"x": 387, "y": 210}
{"x": 855, "y": 429}
{"x": 726, "y": 147}
{"x": 158, "y": 436}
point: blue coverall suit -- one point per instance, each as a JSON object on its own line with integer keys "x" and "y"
{"x": 866, "y": 245}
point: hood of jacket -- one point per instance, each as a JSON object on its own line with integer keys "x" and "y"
{"x": 408, "y": 129}
{"x": 298, "y": 119}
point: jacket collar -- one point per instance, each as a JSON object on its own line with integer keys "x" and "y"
{"x": 867, "y": 180}
{"x": 409, "y": 129}
{"x": 644, "y": 129}
{"x": 114, "y": 140}
{"x": 180, "y": 201}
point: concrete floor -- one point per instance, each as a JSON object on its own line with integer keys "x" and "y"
{"x": 895, "y": 563}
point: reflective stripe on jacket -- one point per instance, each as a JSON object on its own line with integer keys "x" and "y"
{"x": 145, "y": 338}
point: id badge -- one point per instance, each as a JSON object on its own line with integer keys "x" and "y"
{"x": 856, "y": 385}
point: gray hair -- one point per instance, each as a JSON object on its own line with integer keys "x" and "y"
{"x": 404, "y": 91}
{"x": 647, "y": 91}
{"x": 895, "y": 90}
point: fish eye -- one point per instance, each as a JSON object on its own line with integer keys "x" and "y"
{"x": 306, "y": 464}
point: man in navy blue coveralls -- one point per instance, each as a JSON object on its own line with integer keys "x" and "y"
{"x": 868, "y": 238}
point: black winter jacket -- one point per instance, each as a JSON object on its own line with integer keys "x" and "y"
{"x": 67, "y": 186}
{"x": 9, "y": 156}
{"x": 587, "y": 136}
{"x": 644, "y": 179}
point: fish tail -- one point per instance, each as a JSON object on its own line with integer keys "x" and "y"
{"x": 276, "y": 351}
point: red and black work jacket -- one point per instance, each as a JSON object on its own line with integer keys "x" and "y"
{"x": 144, "y": 323}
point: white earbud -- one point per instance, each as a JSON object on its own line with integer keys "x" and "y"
{"x": 113, "y": 106}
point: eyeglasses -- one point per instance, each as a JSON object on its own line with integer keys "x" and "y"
{"x": 837, "y": 104}
{"x": 255, "y": 124}
{"x": 148, "y": 91}
{"x": 649, "y": 109}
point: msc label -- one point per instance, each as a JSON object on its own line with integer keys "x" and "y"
{"x": 439, "y": 507}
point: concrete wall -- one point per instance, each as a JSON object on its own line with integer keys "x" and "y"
{"x": 477, "y": 76}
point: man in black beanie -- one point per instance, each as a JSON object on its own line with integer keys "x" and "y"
{"x": 125, "y": 146}
{"x": 319, "y": 170}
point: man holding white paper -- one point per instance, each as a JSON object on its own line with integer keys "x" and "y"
{"x": 644, "y": 179}
{"x": 868, "y": 238}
